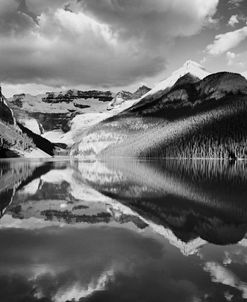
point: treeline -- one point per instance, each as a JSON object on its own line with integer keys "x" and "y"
{"x": 224, "y": 138}
{"x": 204, "y": 170}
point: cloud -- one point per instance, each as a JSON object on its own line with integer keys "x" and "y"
{"x": 54, "y": 264}
{"x": 233, "y": 20}
{"x": 75, "y": 292}
{"x": 230, "y": 57}
{"x": 96, "y": 43}
{"x": 12, "y": 20}
{"x": 152, "y": 20}
{"x": 236, "y": 59}
{"x": 220, "y": 274}
{"x": 227, "y": 41}
{"x": 236, "y": 19}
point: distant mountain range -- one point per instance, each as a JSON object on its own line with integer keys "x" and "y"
{"x": 191, "y": 114}
{"x": 39, "y": 121}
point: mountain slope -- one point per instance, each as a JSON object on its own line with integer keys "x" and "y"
{"x": 125, "y": 96}
{"x": 203, "y": 119}
{"x": 11, "y": 137}
{"x": 190, "y": 68}
{"x": 16, "y": 140}
{"x": 6, "y": 114}
{"x": 58, "y": 116}
{"x": 193, "y": 118}
{"x": 51, "y": 114}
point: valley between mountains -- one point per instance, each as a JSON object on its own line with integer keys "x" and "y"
{"x": 191, "y": 114}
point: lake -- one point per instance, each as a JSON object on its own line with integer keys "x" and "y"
{"x": 123, "y": 230}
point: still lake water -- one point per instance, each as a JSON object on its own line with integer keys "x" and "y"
{"x": 123, "y": 231}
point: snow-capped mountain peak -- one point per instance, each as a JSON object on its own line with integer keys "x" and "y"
{"x": 193, "y": 68}
{"x": 190, "y": 67}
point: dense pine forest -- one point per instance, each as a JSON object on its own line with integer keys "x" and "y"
{"x": 223, "y": 137}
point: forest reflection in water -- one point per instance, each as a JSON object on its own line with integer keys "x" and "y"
{"x": 123, "y": 230}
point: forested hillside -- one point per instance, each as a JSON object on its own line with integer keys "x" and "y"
{"x": 193, "y": 119}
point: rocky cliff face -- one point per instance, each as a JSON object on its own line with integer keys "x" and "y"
{"x": 55, "y": 111}
{"x": 123, "y": 96}
{"x": 12, "y": 139}
{"x": 71, "y": 95}
{"x": 140, "y": 92}
{"x": 120, "y": 98}
{"x": 17, "y": 140}
{"x": 6, "y": 114}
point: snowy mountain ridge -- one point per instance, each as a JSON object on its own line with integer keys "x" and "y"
{"x": 191, "y": 67}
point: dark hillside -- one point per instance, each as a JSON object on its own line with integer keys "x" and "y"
{"x": 41, "y": 143}
{"x": 189, "y": 96}
{"x": 198, "y": 119}
{"x": 222, "y": 137}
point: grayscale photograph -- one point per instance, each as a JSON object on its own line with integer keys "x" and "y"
{"x": 123, "y": 150}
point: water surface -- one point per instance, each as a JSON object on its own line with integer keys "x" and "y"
{"x": 123, "y": 230}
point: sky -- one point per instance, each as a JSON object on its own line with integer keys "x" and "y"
{"x": 113, "y": 45}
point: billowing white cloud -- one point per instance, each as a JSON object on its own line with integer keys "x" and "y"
{"x": 237, "y": 19}
{"x": 98, "y": 43}
{"x": 76, "y": 292}
{"x": 220, "y": 274}
{"x": 233, "y": 20}
{"x": 227, "y": 41}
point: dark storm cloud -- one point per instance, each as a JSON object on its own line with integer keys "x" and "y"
{"x": 12, "y": 19}
{"x": 235, "y": 3}
{"x": 156, "y": 21}
{"x": 25, "y": 10}
{"x": 97, "y": 43}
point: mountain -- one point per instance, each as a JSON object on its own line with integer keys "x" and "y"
{"x": 45, "y": 113}
{"x": 189, "y": 67}
{"x": 62, "y": 102}
{"x": 192, "y": 118}
{"x": 124, "y": 96}
{"x": 17, "y": 140}
{"x": 11, "y": 137}
{"x": 202, "y": 119}
{"x": 190, "y": 114}
{"x": 57, "y": 116}
{"x": 6, "y": 114}
{"x": 140, "y": 92}
{"x": 120, "y": 98}
{"x": 98, "y": 138}
{"x": 188, "y": 92}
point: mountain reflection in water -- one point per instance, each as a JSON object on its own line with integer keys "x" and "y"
{"x": 123, "y": 230}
